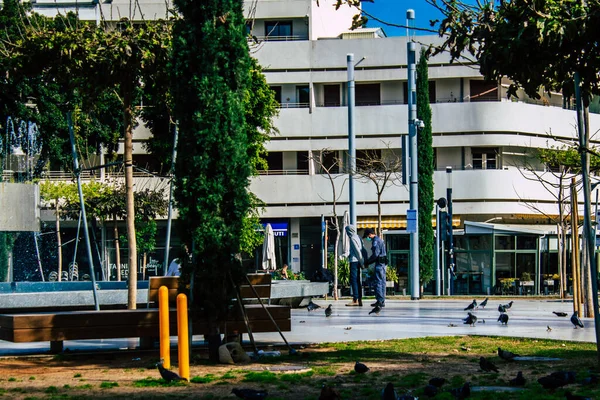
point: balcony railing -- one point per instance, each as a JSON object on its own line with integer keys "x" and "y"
{"x": 271, "y": 38}
{"x": 284, "y": 172}
{"x": 294, "y": 105}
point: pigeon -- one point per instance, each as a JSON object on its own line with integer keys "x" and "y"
{"x": 501, "y": 308}
{"x": 360, "y": 368}
{"x": 509, "y": 305}
{"x": 503, "y": 318}
{"x": 437, "y": 382}
{"x": 548, "y": 329}
{"x": 167, "y": 375}
{"x": 250, "y": 394}
{"x": 471, "y": 306}
{"x": 430, "y": 391}
{"x": 483, "y": 303}
{"x": 375, "y": 310}
{"x": 312, "y": 306}
{"x": 550, "y": 382}
{"x": 329, "y": 393}
{"x": 559, "y": 313}
{"x": 328, "y": 311}
{"x": 518, "y": 381}
{"x": 571, "y": 396}
{"x": 506, "y": 355}
{"x": 576, "y": 321}
{"x": 471, "y": 319}
{"x": 487, "y": 365}
{"x": 388, "y": 393}
{"x": 462, "y": 392}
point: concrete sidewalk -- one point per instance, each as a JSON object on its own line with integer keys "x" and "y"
{"x": 399, "y": 319}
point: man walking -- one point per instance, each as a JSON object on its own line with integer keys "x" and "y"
{"x": 379, "y": 257}
{"x": 356, "y": 258}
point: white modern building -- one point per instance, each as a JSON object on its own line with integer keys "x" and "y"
{"x": 486, "y": 138}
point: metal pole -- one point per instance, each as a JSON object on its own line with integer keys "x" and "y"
{"x": 351, "y": 139}
{"x": 170, "y": 210}
{"x": 82, "y": 205}
{"x": 438, "y": 277}
{"x": 450, "y": 240}
{"x": 322, "y": 241}
{"x": 414, "y": 166}
{"x": 587, "y": 221}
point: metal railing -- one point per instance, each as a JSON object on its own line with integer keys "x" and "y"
{"x": 284, "y": 172}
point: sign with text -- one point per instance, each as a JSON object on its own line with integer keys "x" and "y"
{"x": 280, "y": 229}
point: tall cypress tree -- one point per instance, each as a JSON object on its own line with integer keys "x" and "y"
{"x": 425, "y": 151}
{"x": 212, "y": 80}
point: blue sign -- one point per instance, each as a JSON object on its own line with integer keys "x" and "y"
{"x": 296, "y": 247}
{"x": 411, "y": 221}
{"x": 280, "y": 229}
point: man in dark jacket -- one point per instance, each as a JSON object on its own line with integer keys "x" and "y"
{"x": 379, "y": 257}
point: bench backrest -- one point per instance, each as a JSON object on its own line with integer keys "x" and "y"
{"x": 262, "y": 285}
{"x": 155, "y": 282}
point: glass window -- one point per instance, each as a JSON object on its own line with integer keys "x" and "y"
{"x": 505, "y": 243}
{"x": 278, "y": 30}
{"x": 525, "y": 266}
{"x": 526, "y": 242}
{"x": 505, "y": 265}
{"x": 329, "y": 162}
{"x": 397, "y": 242}
{"x": 368, "y": 94}
{"x": 331, "y": 94}
{"x": 303, "y": 95}
{"x": 277, "y": 91}
{"x": 302, "y": 162}
{"x": 484, "y": 158}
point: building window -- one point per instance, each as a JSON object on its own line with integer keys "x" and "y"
{"x": 331, "y": 94}
{"x": 303, "y": 96}
{"x": 485, "y": 158}
{"x": 369, "y": 161}
{"x": 277, "y": 91}
{"x": 302, "y": 162}
{"x": 483, "y": 90}
{"x": 329, "y": 162}
{"x": 432, "y": 95}
{"x": 274, "y": 163}
{"x": 278, "y": 30}
{"x": 368, "y": 94}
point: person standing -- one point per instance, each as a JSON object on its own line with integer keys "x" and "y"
{"x": 379, "y": 257}
{"x": 356, "y": 258}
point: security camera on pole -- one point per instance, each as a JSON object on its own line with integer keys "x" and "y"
{"x": 412, "y": 215}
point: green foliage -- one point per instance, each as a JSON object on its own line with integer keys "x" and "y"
{"x": 203, "y": 379}
{"x": 260, "y": 377}
{"x": 536, "y": 47}
{"x": 212, "y": 79}
{"x": 425, "y": 151}
{"x": 108, "y": 385}
{"x": 567, "y": 158}
{"x": 391, "y": 275}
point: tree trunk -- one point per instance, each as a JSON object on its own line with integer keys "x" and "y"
{"x": 560, "y": 230}
{"x": 379, "y": 229}
{"x": 117, "y": 247}
{"x": 58, "y": 241}
{"x": 130, "y": 205}
{"x": 587, "y": 276}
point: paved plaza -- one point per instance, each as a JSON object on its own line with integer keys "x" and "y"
{"x": 399, "y": 319}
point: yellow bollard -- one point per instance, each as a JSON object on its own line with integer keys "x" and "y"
{"x": 163, "y": 319}
{"x": 182, "y": 336}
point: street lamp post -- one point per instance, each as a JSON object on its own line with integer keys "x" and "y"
{"x": 351, "y": 139}
{"x": 450, "y": 241}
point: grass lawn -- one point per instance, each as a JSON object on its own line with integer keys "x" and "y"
{"x": 408, "y": 364}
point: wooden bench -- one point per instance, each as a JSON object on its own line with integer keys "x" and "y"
{"x": 56, "y": 327}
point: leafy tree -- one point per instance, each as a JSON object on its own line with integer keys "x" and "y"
{"x": 425, "y": 156}
{"x": 211, "y": 85}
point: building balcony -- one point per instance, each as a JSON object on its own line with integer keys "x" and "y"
{"x": 475, "y": 192}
